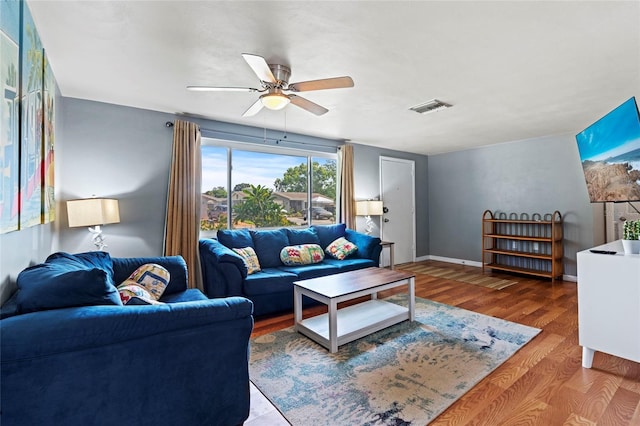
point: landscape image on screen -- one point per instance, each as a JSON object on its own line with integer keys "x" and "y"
{"x": 610, "y": 155}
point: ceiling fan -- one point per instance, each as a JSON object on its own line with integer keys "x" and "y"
{"x": 274, "y": 81}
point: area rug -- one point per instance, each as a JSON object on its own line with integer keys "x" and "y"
{"x": 465, "y": 276}
{"x": 406, "y": 374}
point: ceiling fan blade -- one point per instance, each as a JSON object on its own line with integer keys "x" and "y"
{"x": 253, "y": 109}
{"x": 326, "y": 83}
{"x": 308, "y": 105}
{"x": 260, "y": 67}
{"x": 221, "y": 89}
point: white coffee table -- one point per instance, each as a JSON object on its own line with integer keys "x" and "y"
{"x": 340, "y": 326}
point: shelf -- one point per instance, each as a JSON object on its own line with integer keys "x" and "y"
{"x": 536, "y": 272}
{"x": 520, "y": 238}
{"x": 531, "y": 255}
{"x": 508, "y": 244}
{"x": 518, "y": 221}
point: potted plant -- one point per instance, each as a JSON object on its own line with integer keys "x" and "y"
{"x": 631, "y": 236}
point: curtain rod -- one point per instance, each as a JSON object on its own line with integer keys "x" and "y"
{"x": 223, "y": 133}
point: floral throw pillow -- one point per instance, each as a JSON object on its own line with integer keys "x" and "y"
{"x": 250, "y": 258}
{"x": 340, "y": 248}
{"x": 303, "y": 254}
{"x": 145, "y": 285}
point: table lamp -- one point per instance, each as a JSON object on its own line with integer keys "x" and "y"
{"x": 93, "y": 212}
{"x": 368, "y": 208}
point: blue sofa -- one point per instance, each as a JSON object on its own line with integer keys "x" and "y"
{"x": 271, "y": 289}
{"x": 80, "y": 357}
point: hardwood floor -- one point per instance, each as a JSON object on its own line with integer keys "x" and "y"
{"x": 542, "y": 384}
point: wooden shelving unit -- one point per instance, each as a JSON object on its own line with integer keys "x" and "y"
{"x": 525, "y": 244}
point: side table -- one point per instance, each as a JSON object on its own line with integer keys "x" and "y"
{"x": 389, "y": 244}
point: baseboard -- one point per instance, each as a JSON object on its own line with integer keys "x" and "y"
{"x": 565, "y": 277}
{"x": 456, "y": 261}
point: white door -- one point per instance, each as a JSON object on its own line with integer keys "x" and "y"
{"x": 397, "y": 189}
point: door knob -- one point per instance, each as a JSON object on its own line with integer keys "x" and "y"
{"x": 386, "y": 220}
{"x": 385, "y": 210}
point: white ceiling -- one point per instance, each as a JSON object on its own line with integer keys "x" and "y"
{"x": 513, "y": 70}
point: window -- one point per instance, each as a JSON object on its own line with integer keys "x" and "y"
{"x": 265, "y": 187}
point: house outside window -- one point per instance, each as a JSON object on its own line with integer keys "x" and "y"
{"x": 247, "y": 186}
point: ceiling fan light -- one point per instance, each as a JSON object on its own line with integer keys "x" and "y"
{"x": 274, "y": 101}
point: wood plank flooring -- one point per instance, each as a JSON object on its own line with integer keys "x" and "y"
{"x": 542, "y": 384}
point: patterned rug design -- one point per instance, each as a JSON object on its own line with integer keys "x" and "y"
{"x": 465, "y": 276}
{"x": 406, "y": 374}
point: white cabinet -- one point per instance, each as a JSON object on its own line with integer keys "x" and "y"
{"x": 609, "y": 303}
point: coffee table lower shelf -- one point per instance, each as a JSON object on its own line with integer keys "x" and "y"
{"x": 354, "y": 321}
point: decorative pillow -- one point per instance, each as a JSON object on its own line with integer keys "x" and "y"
{"x": 145, "y": 285}
{"x": 304, "y": 254}
{"x": 250, "y": 259}
{"x": 341, "y": 248}
{"x": 60, "y": 285}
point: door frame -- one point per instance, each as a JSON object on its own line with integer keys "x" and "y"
{"x": 412, "y": 163}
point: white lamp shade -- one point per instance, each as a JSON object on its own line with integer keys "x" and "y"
{"x": 274, "y": 101}
{"x": 369, "y": 208}
{"x": 92, "y": 211}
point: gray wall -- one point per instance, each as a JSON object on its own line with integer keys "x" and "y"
{"x": 115, "y": 152}
{"x": 536, "y": 175}
{"x": 367, "y": 185}
{"x": 20, "y": 249}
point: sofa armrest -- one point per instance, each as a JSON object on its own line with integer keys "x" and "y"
{"x": 368, "y": 247}
{"x": 123, "y": 267}
{"x": 223, "y": 270}
{"x": 43, "y": 333}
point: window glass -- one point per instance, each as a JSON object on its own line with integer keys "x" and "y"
{"x": 323, "y": 190}
{"x": 265, "y": 189}
{"x": 214, "y": 200}
{"x": 269, "y": 190}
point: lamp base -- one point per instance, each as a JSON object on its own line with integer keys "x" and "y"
{"x": 98, "y": 238}
{"x": 370, "y": 225}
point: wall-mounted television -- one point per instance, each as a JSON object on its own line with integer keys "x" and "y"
{"x": 610, "y": 155}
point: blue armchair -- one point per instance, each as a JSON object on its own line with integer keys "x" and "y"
{"x": 183, "y": 362}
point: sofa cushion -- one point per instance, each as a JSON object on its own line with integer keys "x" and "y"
{"x": 329, "y": 233}
{"x": 269, "y": 280}
{"x": 304, "y": 272}
{"x": 341, "y": 248}
{"x": 349, "y": 264}
{"x": 303, "y": 254}
{"x": 145, "y": 285}
{"x": 303, "y": 236}
{"x": 268, "y": 244}
{"x": 189, "y": 295}
{"x": 249, "y": 258}
{"x": 62, "y": 285}
{"x": 235, "y": 238}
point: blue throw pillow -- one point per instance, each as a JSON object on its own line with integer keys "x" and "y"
{"x": 302, "y": 236}
{"x": 59, "y": 285}
{"x": 235, "y": 238}
{"x": 329, "y": 233}
{"x": 268, "y": 244}
{"x": 88, "y": 260}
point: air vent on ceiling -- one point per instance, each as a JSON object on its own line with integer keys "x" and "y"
{"x": 430, "y": 106}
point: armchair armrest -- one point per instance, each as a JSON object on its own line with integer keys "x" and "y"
{"x": 368, "y": 246}
{"x": 223, "y": 270}
{"x": 123, "y": 267}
